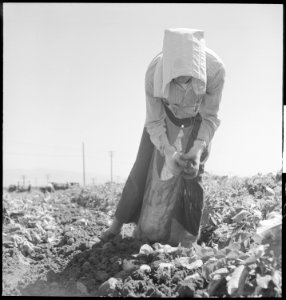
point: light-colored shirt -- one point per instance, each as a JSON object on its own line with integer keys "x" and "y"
{"x": 184, "y": 102}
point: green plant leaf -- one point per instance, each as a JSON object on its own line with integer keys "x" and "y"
{"x": 237, "y": 281}
{"x": 263, "y": 281}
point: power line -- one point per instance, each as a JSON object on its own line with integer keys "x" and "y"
{"x": 38, "y": 145}
{"x": 41, "y": 154}
{"x": 23, "y": 177}
{"x": 124, "y": 156}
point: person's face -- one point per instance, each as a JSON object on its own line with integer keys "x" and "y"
{"x": 182, "y": 79}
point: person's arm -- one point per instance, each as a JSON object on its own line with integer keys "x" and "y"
{"x": 210, "y": 122}
{"x": 155, "y": 115}
{"x": 209, "y": 108}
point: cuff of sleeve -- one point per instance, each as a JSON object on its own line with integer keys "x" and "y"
{"x": 204, "y": 132}
{"x": 164, "y": 143}
{"x": 200, "y": 144}
{"x": 161, "y": 142}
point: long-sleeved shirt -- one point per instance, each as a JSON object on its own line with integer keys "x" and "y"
{"x": 185, "y": 103}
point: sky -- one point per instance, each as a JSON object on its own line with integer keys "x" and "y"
{"x": 73, "y": 76}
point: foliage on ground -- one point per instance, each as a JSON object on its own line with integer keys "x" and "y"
{"x": 51, "y": 245}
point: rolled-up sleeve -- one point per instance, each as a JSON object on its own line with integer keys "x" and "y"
{"x": 210, "y": 106}
{"x": 155, "y": 114}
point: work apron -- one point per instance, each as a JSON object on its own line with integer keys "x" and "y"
{"x": 189, "y": 205}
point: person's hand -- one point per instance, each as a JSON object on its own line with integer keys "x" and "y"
{"x": 174, "y": 161}
{"x": 192, "y": 159}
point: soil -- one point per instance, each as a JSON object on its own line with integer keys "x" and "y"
{"x": 51, "y": 247}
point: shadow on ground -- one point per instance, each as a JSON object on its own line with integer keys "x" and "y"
{"x": 87, "y": 270}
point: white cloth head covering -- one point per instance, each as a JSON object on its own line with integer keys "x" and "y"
{"x": 183, "y": 55}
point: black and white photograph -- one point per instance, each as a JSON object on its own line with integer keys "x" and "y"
{"x": 142, "y": 149}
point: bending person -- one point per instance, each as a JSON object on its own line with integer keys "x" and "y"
{"x": 183, "y": 86}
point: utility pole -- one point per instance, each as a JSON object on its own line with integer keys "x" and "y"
{"x": 111, "y": 156}
{"x": 23, "y": 177}
{"x": 83, "y": 163}
{"x": 93, "y": 181}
